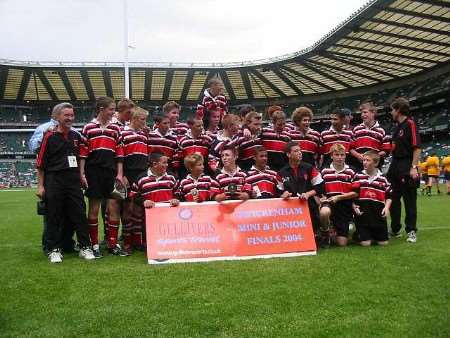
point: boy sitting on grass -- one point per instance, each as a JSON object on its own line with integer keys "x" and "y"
{"x": 373, "y": 203}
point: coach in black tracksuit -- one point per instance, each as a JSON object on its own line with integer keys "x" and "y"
{"x": 59, "y": 182}
{"x": 303, "y": 180}
{"x": 403, "y": 171}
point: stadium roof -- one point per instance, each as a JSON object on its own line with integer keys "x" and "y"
{"x": 385, "y": 40}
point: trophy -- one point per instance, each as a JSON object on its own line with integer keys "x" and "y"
{"x": 232, "y": 189}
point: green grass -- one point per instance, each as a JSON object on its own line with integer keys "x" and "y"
{"x": 401, "y": 290}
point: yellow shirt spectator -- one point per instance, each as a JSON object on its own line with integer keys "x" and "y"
{"x": 446, "y": 163}
{"x": 433, "y": 166}
{"x": 423, "y": 167}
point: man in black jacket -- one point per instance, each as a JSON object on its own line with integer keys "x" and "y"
{"x": 303, "y": 180}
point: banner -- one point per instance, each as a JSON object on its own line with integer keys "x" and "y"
{"x": 232, "y": 230}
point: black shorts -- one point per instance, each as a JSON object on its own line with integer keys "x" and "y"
{"x": 425, "y": 177}
{"x": 433, "y": 176}
{"x": 447, "y": 175}
{"x": 371, "y": 225}
{"x": 100, "y": 182}
{"x": 132, "y": 175}
{"x": 341, "y": 216}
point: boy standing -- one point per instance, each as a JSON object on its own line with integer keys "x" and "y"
{"x": 373, "y": 203}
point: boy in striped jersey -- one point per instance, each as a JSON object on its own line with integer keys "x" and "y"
{"x": 228, "y": 137}
{"x": 247, "y": 145}
{"x": 373, "y": 202}
{"x": 308, "y": 139}
{"x": 100, "y": 165}
{"x": 265, "y": 182}
{"x": 368, "y": 136}
{"x": 172, "y": 111}
{"x": 335, "y": 134}
{"x": 156, "y": 185}
{"x": 194, "y": 141}
{"x": 197, "y": 187}
{"x": 275, "y": 139}
{"x": 336, "y": 205}
{"x": 163, "y": 139}
{"x": 231, "y": 178}
{"x": 135, "y": 162}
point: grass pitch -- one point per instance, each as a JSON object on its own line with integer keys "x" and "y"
{"x": 402, "y": 290}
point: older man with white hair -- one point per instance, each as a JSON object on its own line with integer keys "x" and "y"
{"x": 59, "y": 184}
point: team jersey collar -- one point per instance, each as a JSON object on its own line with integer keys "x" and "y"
{"x": 223, "y": 171}
{"x": 221, "y": 137}
{"x": 189, "y": 176}
{"x": 375, "y": 125}
{"x": 169, "y": 133}
{"x": 343, "y": 169}
{"x": 151, "y": 174}
{"x": 260, "y": 171}
{"x": 189, "y": 135}
{"x": 374, "y": 177}
{"x": 335, "y": 131}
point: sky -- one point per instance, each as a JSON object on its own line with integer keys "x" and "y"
{"x": 165, "y": 31}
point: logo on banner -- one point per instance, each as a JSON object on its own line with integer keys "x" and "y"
{"x": 185, "y": 214}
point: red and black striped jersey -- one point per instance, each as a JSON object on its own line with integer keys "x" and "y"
{"x": 210, "y": 103}
{"x": 275, "y": 144}
{"x": 265, "y": 183}
{"x": 115, "y": 119}
{"x": 220, "y": 142}
{"x": 374, "y": 189}
{"x": 154, "y": 188}
{"x": 188, "y": 145}
{"x": 212, "y": 133}
{"x": 225, "y": 179}
{"x": 178, "y": 130}
{"x": 337, "y": 182}
{"x": 103, "y": 146}
{"x": 247, "y": 146}
{"x": 331, "y": 136}
{"x": 206, "y": 188}
{"x": 135, "y": 149}
{"x": 167, "y": 144}
{"x": 365, "y": 138}
{"x": 309, "y": 142}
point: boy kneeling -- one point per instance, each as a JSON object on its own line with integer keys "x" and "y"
{"x": 373, "y": 203}
{"x": 336, "y": 205}
{"x": 154, "y": 186}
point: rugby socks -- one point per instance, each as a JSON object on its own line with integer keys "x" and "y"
{"x": 127, "y": 234}
{"x": 93, "y": 230}
{"x": 113, "y": 232}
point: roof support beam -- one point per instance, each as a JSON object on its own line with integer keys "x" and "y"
{"x": 167, "y": 84}
{"x": 46, "y": 84}
{"x": 107, "y": 82}
{"x": 435, "y": 3}
{"x": 268, "y": 83}
{"x": 306, "y": 78}
{"x": 406, "y": 37}
{"x": 187, "y": 85}
{"x": 287, "y": 81}
{"x": 247, "y": 86}
{"x": 417, "y": 14}
{"x": 227, "y": 84}
{"x": 355, "y": 64}
{"x": 62, "y": 74}
{"x": 24, "y": 84}
{"x": 3, "y": 79}
{"x": 345, "y": 71}
{"x": 407, "y": 26}
{"x": 393, "y": 45}
{"x": 361, "y": 49}
{"x": 147, "y": 84}
{"x": 326, "y": 75}
{"x": 393, "y": 63}
{"x": 87, "y": 84}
